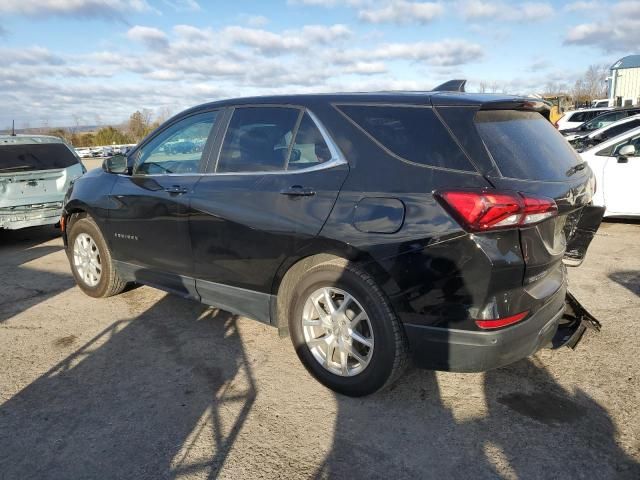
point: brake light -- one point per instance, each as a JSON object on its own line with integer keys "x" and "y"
{"x": 501, "y": 322}
{"x": 479, "y": 211}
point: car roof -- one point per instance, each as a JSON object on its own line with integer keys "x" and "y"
{"x": 26, "y": 139}
{"x": 590, "y": 109}
{"x": 393, "y": 97}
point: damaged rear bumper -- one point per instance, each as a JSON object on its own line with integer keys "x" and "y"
{"x": 575, "y": 321}
{"x": 23, "y": 216}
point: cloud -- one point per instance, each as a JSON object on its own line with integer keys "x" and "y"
{"x": 184, "y": 5}
{"x": 583, "y": 6}
{"x": 401, "y": 11}
{"x": 153, "y": 38}
{"x": 110, "y": 9}
{"x": 257, "y": 21}
{"x": 488, "y": 10}
{"x": 290, "y": 40}
{"x": 187, "y": 65}
{"x": 29, "y": 56}
{"x": 443, "y": 53}
{"x": 617, "y": 32}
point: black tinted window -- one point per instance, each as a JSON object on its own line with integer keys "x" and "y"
{"x": 414, "y": 134}
{"x": 258, "y": 139}
{"x": 309, "y": 146}
{"x": 44, "y": 156}
{"x": 525, "y": 145}
{"x": 618, "y": 129}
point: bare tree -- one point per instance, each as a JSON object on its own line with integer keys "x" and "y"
{"x": 483, "y": 86}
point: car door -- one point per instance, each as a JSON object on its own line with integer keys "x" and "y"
{"x": 621, "y": 178}
{"x": 272, "y": 185}
{"x": 148, "y": 221}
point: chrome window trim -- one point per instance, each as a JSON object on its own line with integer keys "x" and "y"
{"x": 336, "y": 155}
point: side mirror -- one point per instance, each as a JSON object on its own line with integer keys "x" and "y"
{"x": 116, "y": 164}
{"x": 627, "y": 151}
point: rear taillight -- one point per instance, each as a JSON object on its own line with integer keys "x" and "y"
{"x": 479, "y": 211}
{"x": 501, "y": 322}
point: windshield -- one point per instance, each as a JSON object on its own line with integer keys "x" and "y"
{"x": 524, "y": 145}
{"x": 25, "y": 157}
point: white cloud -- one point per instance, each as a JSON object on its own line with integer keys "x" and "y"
{"x": 80, "y": 8}
{"x": 150, "y": 36}
{"x": 401, "y": 11}
{"x": 443, "y": 53}
{"x": 520, "y": 12}
{"x": 289, "y": 40}
{"x": 616, "y": 32}
{"x": 366, "y": 68}
{"x": 583, "y": 6}
{"x": 184, "y": 5}
{"x": 257, "y": 21}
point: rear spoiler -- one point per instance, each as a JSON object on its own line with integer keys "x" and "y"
{"x": 489, "y": 101}
{"x": 451, "y": 86}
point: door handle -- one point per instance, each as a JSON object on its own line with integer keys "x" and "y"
{"x": 298, "y": 191}
{"x": 175, "y": 189}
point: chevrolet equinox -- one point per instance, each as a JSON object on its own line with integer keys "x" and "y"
{"x": 371, "y": 227}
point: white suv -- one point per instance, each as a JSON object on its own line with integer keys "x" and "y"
{"x": 575, "y": 118}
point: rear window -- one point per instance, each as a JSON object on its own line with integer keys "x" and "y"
{"x": 411, "y": 133}
{"x": 525, "y": 145}
{"x": 46, "y": 156}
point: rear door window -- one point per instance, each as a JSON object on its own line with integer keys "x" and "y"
{"x": 414, "y": 134}
{"x": 258, "y": 139}
{"x": 309, "y": 147}
{"x": 524, "y": 145}
{"x": 45, "y": 156}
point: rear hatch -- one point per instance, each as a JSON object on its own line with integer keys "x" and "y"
{"x": 517, "y": 149}
{"x": 35, "y": 174}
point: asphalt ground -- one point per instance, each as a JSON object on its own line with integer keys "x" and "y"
{"x": 146, "y": 385}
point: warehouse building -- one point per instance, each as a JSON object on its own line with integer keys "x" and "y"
{"x": 624, "y": 82}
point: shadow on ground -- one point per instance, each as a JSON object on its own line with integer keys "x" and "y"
{"x": 630, "y": 279}
{"x": 21, "y": 286}
{"x": 130, "y": 402}
{"x": 531, "y": 428}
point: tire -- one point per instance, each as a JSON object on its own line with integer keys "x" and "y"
{"x": 379, "y": 364}
{"x": 108, "y": 282}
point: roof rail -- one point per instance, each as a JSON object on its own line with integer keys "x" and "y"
{"x": 451, "y": 86}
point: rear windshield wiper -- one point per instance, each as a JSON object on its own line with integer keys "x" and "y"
{"x": 576, "y": 168}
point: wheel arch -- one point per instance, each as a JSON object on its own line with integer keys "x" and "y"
{"x": 294, "y": 268}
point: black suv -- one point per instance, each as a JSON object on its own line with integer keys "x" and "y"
{"x": 371, "y": 227}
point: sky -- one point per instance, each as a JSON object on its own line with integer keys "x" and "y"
{"x": 88, "y": 62}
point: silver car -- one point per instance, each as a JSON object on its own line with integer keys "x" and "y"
{"x": 35, "y": 173}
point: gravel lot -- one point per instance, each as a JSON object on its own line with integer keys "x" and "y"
{"x": 146, "y": 385}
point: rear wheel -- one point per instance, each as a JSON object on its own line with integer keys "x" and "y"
{"x": 90, "y": 260}
{"x": 344, "y": 330}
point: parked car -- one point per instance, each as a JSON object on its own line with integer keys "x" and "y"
{"x": 369, "y": 227}
{"x": 575, "y": 118}
{"x": 616, "y": 165}
{"x": 584, "y": 142}
{"x": 602, "y": 120}
{"x": 84, "y": 152}
{"x": 602, "y": 102}
{"x": 35, "y": 173}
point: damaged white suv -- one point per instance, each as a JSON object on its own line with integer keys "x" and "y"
{"x": 35, "y": 173}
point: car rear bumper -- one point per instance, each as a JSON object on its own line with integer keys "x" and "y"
{"x": 30, "y": 216}
{"x": 472, "y": 351}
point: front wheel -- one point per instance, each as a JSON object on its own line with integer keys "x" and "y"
{"x": 344, "y": 330}
{"x": 90, "y": 260}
